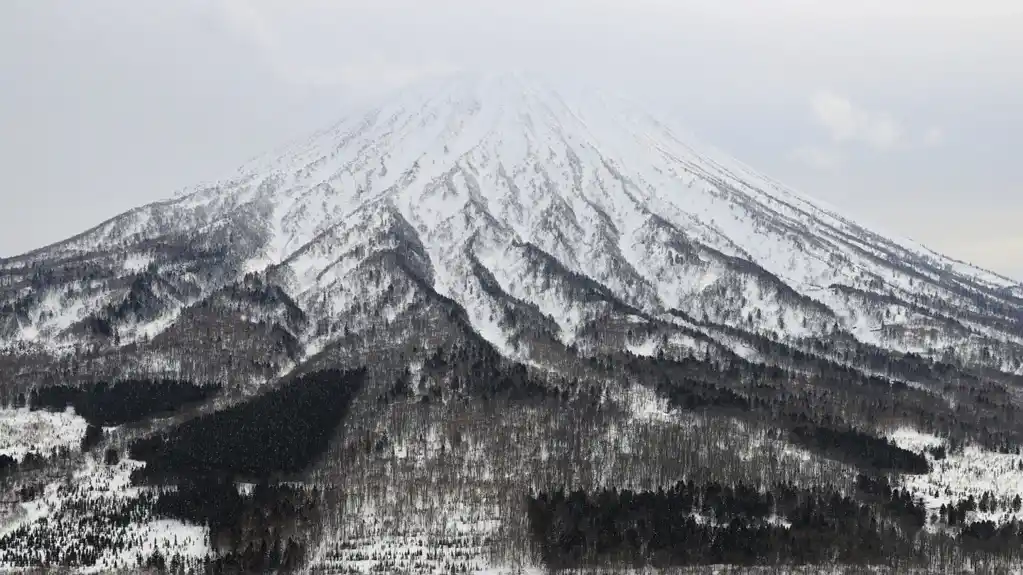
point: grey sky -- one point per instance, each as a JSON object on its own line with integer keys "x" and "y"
{"x": 902, "y": 113}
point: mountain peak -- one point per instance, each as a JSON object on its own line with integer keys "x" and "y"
{"x": 509, "y": 300}
{"x": 503, "y": 184}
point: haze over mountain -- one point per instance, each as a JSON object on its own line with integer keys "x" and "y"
{"x": 490, "y": 242}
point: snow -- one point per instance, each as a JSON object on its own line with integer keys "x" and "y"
{"x": 167, "y": 536}
{"x": 149, "y": 330}
{"x": 646, "y": 406}
{"x": 971, "y": 471}
{"x": 31, "y": 512}
{"x": 646, "y": 349}
{"x": 23, "y": 430}
{"x": 913, "y": 440}
{"x": 58, "y": 510}
{"x": 522, "y": 152}
{"x": 136, "y": 262}
{"x": 57, "y": 312}
{"x": 521, "y": 280}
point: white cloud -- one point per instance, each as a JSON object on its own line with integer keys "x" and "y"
{"x": 377, "y": 72}
{"x": 934, "y": 137}
{"x": 848, "y": 123}
{"x": 298, "y": 63}
{"x": 818, "y": 158}
{"x": 245, "y": 20}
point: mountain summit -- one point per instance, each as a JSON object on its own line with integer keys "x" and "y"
{"x": 487, "y": 326}
{"x": 509, "y": 197}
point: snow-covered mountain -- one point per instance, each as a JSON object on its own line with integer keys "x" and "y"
{"x": 394, "y": 347}
{"x": 538, "y": 212}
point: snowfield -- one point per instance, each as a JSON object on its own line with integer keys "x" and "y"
{"x": 62, "y": 509}
{"x": 969, "y": 472}
{"x": 23, "y": 430}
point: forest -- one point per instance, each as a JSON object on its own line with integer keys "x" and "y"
{"x": 265, "y": 529}
{"x": 709, "y": 524}
{"x": 765, "y": 392}
{"x": 259, "y": 473}
{"x": 106, "y": 404}
{"x": 693, "y": 524}
{"x": 276, "y": 433}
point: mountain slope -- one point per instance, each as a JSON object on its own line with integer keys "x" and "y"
{"x": 487, "y": 316}
{"x": 460, "y": 172}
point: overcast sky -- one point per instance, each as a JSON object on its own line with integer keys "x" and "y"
{"x": 903, "y": 113}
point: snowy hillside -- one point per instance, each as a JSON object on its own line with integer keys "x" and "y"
{"x": 487, "y": 325}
